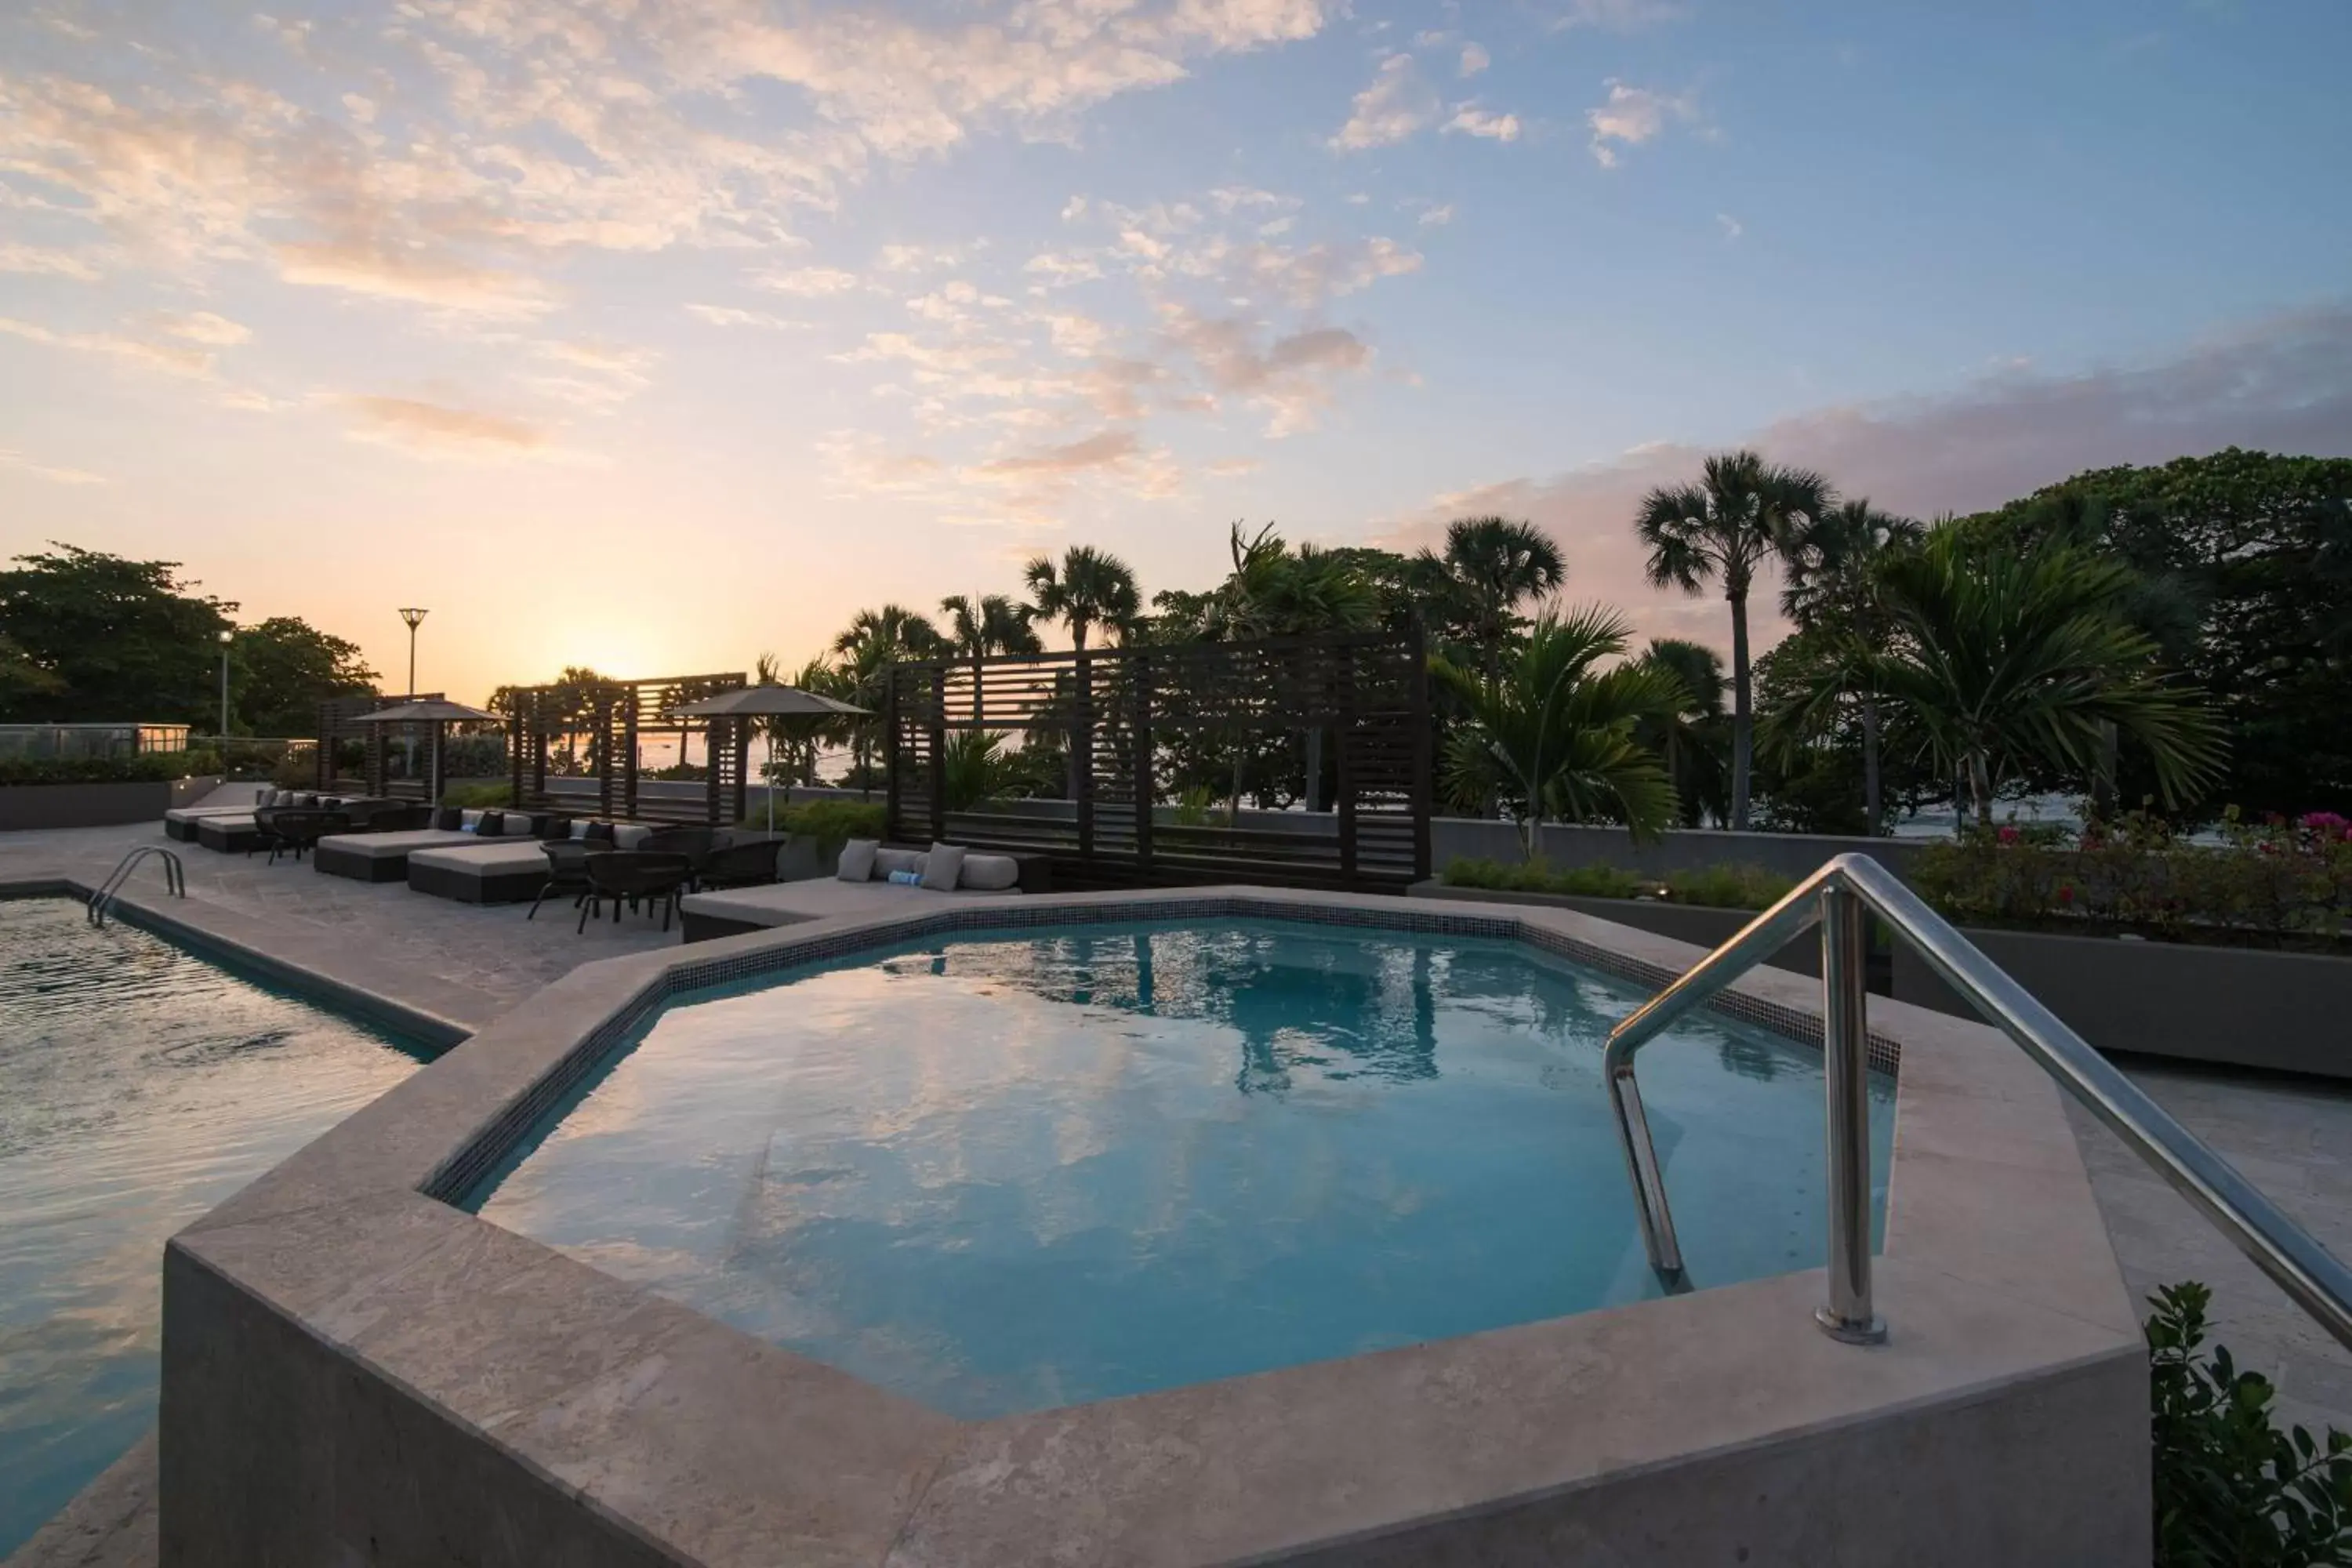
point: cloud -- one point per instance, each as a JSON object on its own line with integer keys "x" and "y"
{"x": 171, "y": 358}
{"x": 1231, "y": 467}
{"x": 1615, "y": 15}
{"x": 1436, "y": 218}
{"x": 420, "y": 277}
{"x": 1634, "y": 115}
{"x": 597, "y": 376}
{"x": 808, "y": 282}
{"x": 1397, "y": 104}
{"x": 436, "y": 430}
{"x": 1472, "y": 121}
{"x": 1107, "y": 449}
{"x": 2284, "y": 384}
{"x": 16, "y": 462}
{"x": 730, "y": 316}
{"x": 1475, "y": 58}
{"x": 44, "y": 262}
{"x": 1289, "y": 377}
{"x": 204, "y": 327}
{"x": 1732, "y": 227}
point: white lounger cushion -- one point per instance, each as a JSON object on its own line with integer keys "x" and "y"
{"x": 386, "y": 846}
{"x": 487, "y": 857}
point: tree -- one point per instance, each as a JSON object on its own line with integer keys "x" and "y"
{"x": 981, "y": 624}
{"x": 115, "y": 640}
{"x": 2246, "y": 564}
{"x": 1090, "y": 588}
{"x": 1691, "y": 737}
{"x": 1833, "y": 564}
{"x": 875, "y": 642}
{"x": 1742, "y": 512}
{"x": 2005, "y": 659}
{"x": 1553, "y": 732}
{"x": 1498, "y": 563}
{"x": 282, "y": 668}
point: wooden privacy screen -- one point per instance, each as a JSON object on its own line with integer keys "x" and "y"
{"x": 585, "y": 735}
{"x": 336, "y": 730}
{"x": 1117, "y": 725}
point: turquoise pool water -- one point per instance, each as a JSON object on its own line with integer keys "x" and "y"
{"x": 1013, "y": 1171}
{"x": 140, "y": 1084}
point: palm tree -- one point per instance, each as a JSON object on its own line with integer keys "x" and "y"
{"x": 2002, "y": 654}
{"x": 1833, "y": 564}
{"x": 1554, "y": 732}
{"x": 1499, "y": 563}
{"x": 875, "y": 642}
{"x": 1742, "y": 512}
{"x": 1272, "y": 592}
{"x": 1690, "y": 737}
{"x": 981, "y": 624}
{"x": 1091, "y": 587}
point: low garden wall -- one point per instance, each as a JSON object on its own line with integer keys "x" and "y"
{"x": 101, "y": 805}
{"x": 2236, "y": 1007}
{"x": 1699, "y": 926}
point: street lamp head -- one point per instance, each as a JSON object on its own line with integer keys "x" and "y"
{"x": 413, "y": 617}
{"x": 227, "y": 638}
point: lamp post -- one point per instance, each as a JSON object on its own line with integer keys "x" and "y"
{"x": 411, "y": 616}
{"x": 225, "y": 640}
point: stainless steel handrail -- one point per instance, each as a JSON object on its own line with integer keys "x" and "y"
{"x": 175, "y": 879}
{"x": 1835, "y": 896}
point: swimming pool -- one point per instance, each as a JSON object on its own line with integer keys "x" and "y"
{"x": 1007, "y": 1171}
{"x": 139, "y": 1086}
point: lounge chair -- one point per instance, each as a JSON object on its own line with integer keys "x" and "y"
{"x": 567, "y": 872}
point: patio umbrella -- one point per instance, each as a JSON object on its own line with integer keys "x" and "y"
{"x": 436, "y": 712}
{"x": 769, "y": 702}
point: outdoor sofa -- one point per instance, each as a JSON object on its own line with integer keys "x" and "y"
{"x": 510, "y": 867}
{"x": 383, "y": 856}
{"x": 237, "y": 833}
{"x": 980, "y": 877}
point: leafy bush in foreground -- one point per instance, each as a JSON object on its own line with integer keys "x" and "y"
{"x": 831, "y": 822}
{"x": 2231, "y": 1490}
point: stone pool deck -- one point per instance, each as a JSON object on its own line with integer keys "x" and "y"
{"x": 469, "y": 965}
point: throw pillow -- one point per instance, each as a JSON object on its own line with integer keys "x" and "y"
{"x": 448, "y": 819}
{"x": 906, "y": 879}
{"x": 857, "y": 860}
{"x": 630, "y": 835}
{"x": 557, "y": 828}
{"x": 890, "y": 861}
{"x": 990, "y": 873}
{"x": 599, "y": 833}
{"x": 490, "y": 823}
{"x": 941, "y": 866}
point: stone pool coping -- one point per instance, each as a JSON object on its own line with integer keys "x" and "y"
{"x": 349, "y": 1362}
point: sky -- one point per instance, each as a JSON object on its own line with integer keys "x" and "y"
{"x": 658, "y": 334}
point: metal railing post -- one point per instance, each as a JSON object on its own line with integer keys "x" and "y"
{"x": 1846, "y": 1062}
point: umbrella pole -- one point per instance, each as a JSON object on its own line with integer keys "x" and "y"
{"x": 769, "y": 780}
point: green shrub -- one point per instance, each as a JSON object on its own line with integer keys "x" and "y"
{"x": 143, "y": 767}
{"x": 1715, "y": 887}
{"x": 831, "y": 822}
{"x": 475, "y": 796}
{"x": 1727, "y": 887}
{"x": 1537, "y": 876}
{"x": 2275, "y": 883}
{"x": 2231, "y": 1490}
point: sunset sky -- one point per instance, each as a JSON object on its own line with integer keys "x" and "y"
{"x": 658, "y": 334}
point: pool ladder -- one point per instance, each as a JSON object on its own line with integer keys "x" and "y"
{"x": 1839, "y": 897}
{"x": 175, "y": 879}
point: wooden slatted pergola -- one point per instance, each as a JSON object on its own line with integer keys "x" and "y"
{"x": 614, "y": 718}
{"x": 1118, "y": 716}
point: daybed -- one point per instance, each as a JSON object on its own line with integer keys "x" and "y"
{"x": 383, "y": 856}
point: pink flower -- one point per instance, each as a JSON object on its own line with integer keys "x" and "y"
{"x": 2065, "y": 892}
{"x": 2008, "y": 835}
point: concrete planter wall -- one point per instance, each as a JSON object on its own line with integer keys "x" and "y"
{"x": 2234, "y": 1005}
{"x": 23, "y": 806}
{"x": 1683, "y": 922}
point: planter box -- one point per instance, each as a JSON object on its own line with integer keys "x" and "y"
{"x": 23, "y": 806}
{"x": 1684, "y": 922}
{"x": 2231, "y": 1005}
